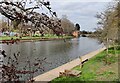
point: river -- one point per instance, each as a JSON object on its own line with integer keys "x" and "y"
{"x": 57, "y": 52}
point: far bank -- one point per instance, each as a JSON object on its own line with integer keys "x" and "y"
{"x": 7, "y": 39}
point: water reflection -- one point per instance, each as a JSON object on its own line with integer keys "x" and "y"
{"x": 57, "y": 52}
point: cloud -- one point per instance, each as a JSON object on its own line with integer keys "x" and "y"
{"x": 80, "y": 12}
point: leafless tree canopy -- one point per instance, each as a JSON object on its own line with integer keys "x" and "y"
{"x": 67, "y": 25}
{"x": 20, "y": 13}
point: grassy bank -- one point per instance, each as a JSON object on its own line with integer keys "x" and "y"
{"x": 29, "y": 38}
{"x": 96, "y": 69}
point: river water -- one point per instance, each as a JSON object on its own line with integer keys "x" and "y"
{"x": 57, "y": 52}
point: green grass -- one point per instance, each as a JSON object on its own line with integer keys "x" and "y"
{"x": 96, "y": 69}
{"x": 35, "y": 37}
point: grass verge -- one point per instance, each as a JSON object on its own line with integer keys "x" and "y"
{"x": 96, "y": 69}
{"x": 29, "y": 38}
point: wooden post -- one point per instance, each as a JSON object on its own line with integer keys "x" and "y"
{"x": 80, "y": 62}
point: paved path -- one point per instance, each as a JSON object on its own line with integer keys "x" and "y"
{"x": 52, "y": 74}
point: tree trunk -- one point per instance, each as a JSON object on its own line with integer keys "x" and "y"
{"x": 107, "y": 46}
{"x": 114, "y": 48}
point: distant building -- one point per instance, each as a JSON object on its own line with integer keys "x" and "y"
{"x": 76, "y": 33}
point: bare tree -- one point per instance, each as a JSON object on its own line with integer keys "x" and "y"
{"x": 67, "y": 25}
{"x": 19, "y": 13}
{"x": 108, "y": 23}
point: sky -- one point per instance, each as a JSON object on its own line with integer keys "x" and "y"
{"x": 80, "y": 11}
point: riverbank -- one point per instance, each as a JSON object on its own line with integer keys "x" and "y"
{"x": 52, "y": 74}
{"x": 29, "y": 39}
{"x": 96, "y": 69}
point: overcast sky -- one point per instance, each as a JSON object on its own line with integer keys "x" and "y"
{"x": 80, "y": 11}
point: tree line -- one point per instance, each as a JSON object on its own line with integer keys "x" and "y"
{"x": 67, "y": 26}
